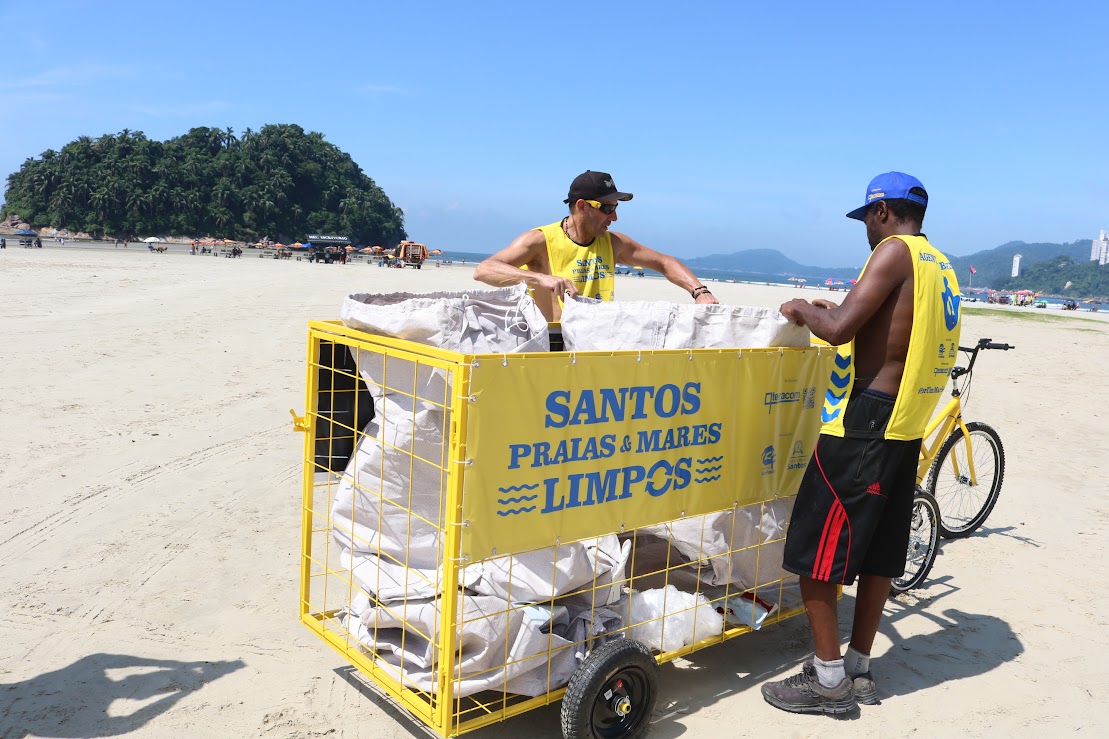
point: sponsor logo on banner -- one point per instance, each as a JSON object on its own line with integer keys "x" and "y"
{"x": 768, "y": 461}
{"x": 805, "y": 396}
{"x": 797, "y": 457}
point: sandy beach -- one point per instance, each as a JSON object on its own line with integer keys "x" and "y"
{"x": 149, "y": 543}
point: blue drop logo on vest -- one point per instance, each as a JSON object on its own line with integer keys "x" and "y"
{"x": 950, "y": 306}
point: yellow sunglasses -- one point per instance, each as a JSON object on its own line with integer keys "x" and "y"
{"x": 606, "y": 208}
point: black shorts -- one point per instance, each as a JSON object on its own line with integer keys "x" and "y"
{"x": 855, "y": 503}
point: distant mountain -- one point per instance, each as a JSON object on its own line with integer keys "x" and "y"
{"x": 767, "y": 262}
{"x": 992, "y": 265}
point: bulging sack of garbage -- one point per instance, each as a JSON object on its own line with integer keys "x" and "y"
{"x": 472, "y": 322}
{"x": 593, "y": 325}
{"x": 515, "y": 648}
{"x": 742, "y": 547}
{"x": 390, "y": 500}
{"x": 593, "y": 569}
{"x": 669, "y": 619}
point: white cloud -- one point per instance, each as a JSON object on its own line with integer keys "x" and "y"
{"x": 70, "y": 76}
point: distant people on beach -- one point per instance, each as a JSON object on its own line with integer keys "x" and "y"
{"x": 38, "y": 243}
{"x": 3, "y": 243}
{"x": 578, "y": 254}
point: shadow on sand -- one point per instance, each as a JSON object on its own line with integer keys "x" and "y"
{"x": 961, "y": 645}
{"x": 101, "y": 695}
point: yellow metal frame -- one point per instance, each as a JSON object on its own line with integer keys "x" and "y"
{"x": 442, "y": 711}
{"x": 937, "y": 432}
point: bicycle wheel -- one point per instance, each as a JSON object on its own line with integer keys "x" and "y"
{"x": 924, "y": 541}
{"x": 965, "y": 507}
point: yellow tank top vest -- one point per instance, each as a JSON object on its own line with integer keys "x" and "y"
{"x": 590, "y": 268}
{"x": 933, "y": 347}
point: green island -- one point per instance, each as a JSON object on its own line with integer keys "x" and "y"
{"x": 278, "y": 182}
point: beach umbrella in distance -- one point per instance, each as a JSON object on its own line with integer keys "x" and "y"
{"x": 296, "y": 245}
{"x": 24, "y": 232}
{"x": 349, "y": 248}
{"x": 367, "y": 250}
{"x": 151, "y": 240}
{"x": 436, "y": 252}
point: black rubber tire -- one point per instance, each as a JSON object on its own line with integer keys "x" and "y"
{"x": 924, "y": 542}
{"x": 586, "y": 711}
{"x": 963, "y": 507}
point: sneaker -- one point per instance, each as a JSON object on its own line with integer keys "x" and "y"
{"x": 803, "y": 693}
{"x": 866, "y": 690}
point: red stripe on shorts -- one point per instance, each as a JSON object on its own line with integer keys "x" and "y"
{"x": 833, "y": 527}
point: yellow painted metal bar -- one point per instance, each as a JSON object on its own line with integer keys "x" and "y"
{"x": 970, "y": 455}
{"x": 456, "y": 464}
{"x": 308, "y": 426}
{"x": 944, "y": 422}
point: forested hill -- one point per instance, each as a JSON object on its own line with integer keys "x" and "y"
{"x": 278, "y": 182}
{"x": 1061, "y": 275}
{"x": 995, "y": 265}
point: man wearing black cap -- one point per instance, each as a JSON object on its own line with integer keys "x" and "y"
{"x": 578, "y": 255}
{"x": 896, "y": 335}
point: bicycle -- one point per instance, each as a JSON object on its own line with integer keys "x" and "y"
{"x": 959, "y": 476}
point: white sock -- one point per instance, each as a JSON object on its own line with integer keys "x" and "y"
{"x": 855, "y": 662}
{"x": 830, "y": 674}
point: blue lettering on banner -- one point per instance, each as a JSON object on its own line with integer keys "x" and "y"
{"x": 620, "y": 404}
{"x": 585, "y": 408}
{"x": 807, "y": 397}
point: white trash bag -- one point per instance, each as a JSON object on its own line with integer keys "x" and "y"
{"x": 593, "y": 325}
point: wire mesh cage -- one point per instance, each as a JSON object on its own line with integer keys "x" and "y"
{"x": 475, "y": 526}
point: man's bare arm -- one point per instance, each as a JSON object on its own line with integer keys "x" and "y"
{"x": 889, "y": 267}
{"x": 627, "y": 250}
{"x": 503, "y": 268}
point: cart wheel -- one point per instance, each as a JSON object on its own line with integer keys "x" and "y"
{"x": 612, "y": 694}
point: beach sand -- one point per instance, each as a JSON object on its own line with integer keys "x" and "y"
{"x": 150, "y": 484}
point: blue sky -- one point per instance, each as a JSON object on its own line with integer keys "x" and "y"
{"x": 737, "y": 126}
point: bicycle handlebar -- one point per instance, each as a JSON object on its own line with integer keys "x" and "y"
{"x": 957, "y": 372}
{"x": 987, "y": 344}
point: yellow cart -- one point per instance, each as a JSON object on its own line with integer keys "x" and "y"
{"x": 483, "y": 534}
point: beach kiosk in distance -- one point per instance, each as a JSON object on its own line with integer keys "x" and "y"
{"x": 325, "y": 247}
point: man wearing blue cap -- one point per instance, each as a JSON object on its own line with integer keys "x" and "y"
{"x": 896, "y": 335}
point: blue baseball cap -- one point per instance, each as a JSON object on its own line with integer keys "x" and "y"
{"x": 890, "y": 186}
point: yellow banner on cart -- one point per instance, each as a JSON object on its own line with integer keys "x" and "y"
{"x": 565, "y": 447}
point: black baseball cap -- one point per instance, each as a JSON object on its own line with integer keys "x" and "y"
{"x": 590, "y": 185}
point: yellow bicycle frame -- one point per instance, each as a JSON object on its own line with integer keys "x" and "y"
{"x": 946, "y": 422}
